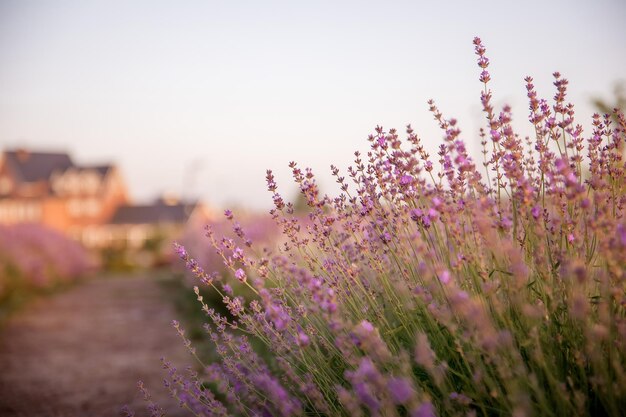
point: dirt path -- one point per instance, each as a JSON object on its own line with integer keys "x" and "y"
{"x": 81, "y": 352}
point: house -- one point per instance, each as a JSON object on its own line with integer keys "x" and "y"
{"x": 49, "y": 188}
{"x": 136, "y": 226}
{"x": 88, "y": 202}
{"x": 146, "y": 232}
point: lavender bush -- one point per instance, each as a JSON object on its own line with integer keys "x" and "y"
{"x": 33, "y": 257}
{"x": 260, "y": 230}
{"x": 432, "y": 286}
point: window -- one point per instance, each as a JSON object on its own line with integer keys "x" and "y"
{"x": 90, "y": 182}
{"x": 5, "y": 185}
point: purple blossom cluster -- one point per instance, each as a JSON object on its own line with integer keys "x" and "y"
{"x": 34, "y": 257}
{"x": 434, "y": 285}
{"x": 250, "y": 229}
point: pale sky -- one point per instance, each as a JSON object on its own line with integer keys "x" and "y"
{"x": 199, "y": 98}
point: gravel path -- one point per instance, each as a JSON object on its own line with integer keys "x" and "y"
{"x": 81, "y": 352}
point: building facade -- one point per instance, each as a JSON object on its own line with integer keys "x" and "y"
{"x": 89, "y": 203}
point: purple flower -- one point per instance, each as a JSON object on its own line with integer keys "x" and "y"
{"x": 180, "y": 250}
{"x": 424, "y": 410}
{"x": 444, "y": 277}
{"x": 460, "y": 398}
{"x": 227, "y": 289}
{"x": 240, "y": 275}
{"x": 400, "y": 390}
{"x": 535, "y": 211}
{"x": 406, "y": 179}
{"x": 366, "y": 326}
{"x": 416, "y": 214}
{"x": 367, "y": 397}
{"x": 303, "y": 339}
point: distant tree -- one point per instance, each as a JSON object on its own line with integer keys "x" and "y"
{"x": 300, "y": 205}
{"x": 617, "y": 102}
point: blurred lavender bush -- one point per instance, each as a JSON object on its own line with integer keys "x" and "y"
{"x": 260, "y": 230}
{"x": 34, "y": 258}
{"x": 432, "y": 287}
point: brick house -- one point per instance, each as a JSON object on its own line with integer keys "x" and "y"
{"x": 88, "y": 203}
{"x": 49, "y": 188}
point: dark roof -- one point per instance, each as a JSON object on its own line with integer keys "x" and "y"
{"x": 36, "y": 166}
{"x": 100, "y": 169}
{"x": 31, "y": 166}
{"x": 151, "y": 214}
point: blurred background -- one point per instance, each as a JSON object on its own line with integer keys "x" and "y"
{"x": 126, "y": 125}
{"x": 118, "y": 116}
{"x": 199, "y": 99}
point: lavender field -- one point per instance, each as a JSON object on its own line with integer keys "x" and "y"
{"x": 35, "y": 258}
{"x": 331, "y": 209}
{"x": 432, "y": 285}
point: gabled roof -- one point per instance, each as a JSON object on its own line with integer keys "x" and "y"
{"x": 153, "y": 214}
{"x": 36, "y": 166}
{"x": 102, "y": 170}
